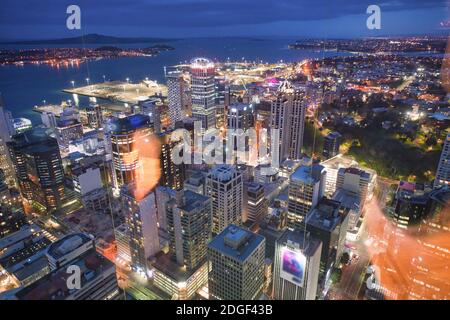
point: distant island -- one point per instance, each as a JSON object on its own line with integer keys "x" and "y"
{"x": 74, "y": 56}
{"x": 92, "y": 38}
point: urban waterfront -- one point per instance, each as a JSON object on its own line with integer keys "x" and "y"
{"x": 253, "y": 171}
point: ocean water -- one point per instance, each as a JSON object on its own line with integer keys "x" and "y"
{"x": 25, "y": 86}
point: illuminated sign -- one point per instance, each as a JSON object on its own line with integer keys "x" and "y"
{"x": 293, "y": 265}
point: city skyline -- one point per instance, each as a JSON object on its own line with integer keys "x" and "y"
{"x": 303, "y": 153}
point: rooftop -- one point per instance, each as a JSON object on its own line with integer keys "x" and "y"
{"x": 223, "y": 173}
{"x": 307, "y": 243}
{"x": 347, "y": 199}
{"x": 325, "y": 215}
{"x": 67, "y": 244}
{"x": 164, "y": 263}
{"x": 200, "y": 63}
{"x": 54, "y": 285}
{"x": 130, "y": 123}
{"x": 35, "y": 140}
{"x": 236, "y": 243}
{"x": 333, "y": 135}
{"x": 307, "y": 174}
{"x": 339, "y": 161}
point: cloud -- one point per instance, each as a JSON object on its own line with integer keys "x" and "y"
{"x": 193, "y": 13}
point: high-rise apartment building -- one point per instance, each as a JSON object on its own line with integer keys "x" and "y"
{"x": 142, "y": 221}
{"x": 175, "y": 95}
{"x": 203, "y": 92}
{"x": 306, "y": 188}
{"x": 236, "y": 258}
{"x": 225, "y": 187}
{"x": 296, "y": 266}
{"x": 288, "y": 117}
{"x": 189, "y": 228}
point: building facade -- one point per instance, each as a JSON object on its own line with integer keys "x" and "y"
{"x": 236, "y": 265}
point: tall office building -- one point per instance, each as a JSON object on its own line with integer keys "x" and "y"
{"x": 189, "y": 228}
{"x": 288, "y": 116}
{"x": 236, "y": 258}
{"x": 357, "y": 181}
{"x": 328, "y": 223}
{"x": 94, "y": 116}
{"x": 427, "y": 280}
{"x": 172, "y": 175}
{"x": 123, "y": 134}
{"x": 224, "y": 185}
{"x": 296, "y": 266}
{"x": 142, "y": 221}
{"x": 257, "y": 206}
{"x": 240, "y": 118}
{"x": 331, "y": 144}
{"x": 6, "y": 131}
{"x": 203, "y": 92}
{"x": 38, "y": 169}
{"x": 175, "y": 95}
{"x": 443, "y": 169}
{"x": 306, "y": 188}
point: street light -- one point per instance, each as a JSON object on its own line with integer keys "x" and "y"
{"x": 73, "y": 83}
{"x": 87, "y": 81}
{"x": 104, "y": 78}
{"x": 128, "y": 80}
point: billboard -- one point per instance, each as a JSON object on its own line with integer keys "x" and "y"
{"x": 293, "y": 265}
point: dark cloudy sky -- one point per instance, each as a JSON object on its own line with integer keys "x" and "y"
{"x": 199, "y": 18}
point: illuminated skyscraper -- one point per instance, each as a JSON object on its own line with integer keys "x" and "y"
{"x": 443, "y": 170}
{"x": 240, "y": 119}
{"x": 38, "y": 168}
{"x": 189, "y": 228}
{"x": 123, "y": 134}
{"x": 256, "y": 202}
{"x": 288, "y": 116}
{"x": 329, "y": 224}
{"x": 142, "y": 221}
{"x": 203, "y": 92}
{"x": 224, "y": 185}
{"x": 236, "y": 257}
{"x": 296, "y": 266}
{"x": 172, "y": 175}
{"x": 306, "y": 188}
{"x": 175, "y": 94}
